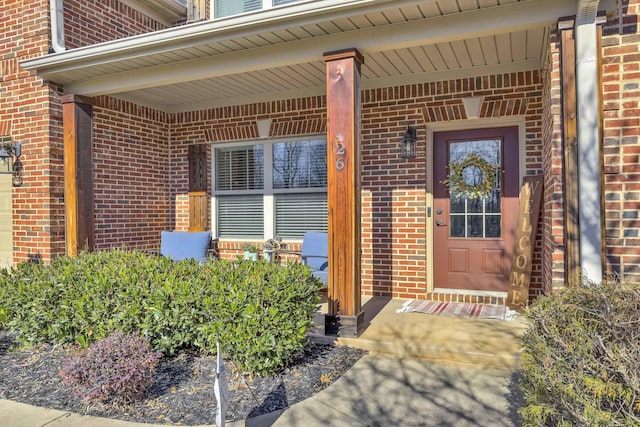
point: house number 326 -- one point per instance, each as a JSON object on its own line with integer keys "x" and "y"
{"x": 340, "y": 152}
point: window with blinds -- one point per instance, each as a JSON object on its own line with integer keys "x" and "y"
{"x": 223, "y": 8}
{"x": 234, "y": 7}
{"x": 240, "y": 168}
{"x": 295, "y": 191}
{"x": 300, "y": 164}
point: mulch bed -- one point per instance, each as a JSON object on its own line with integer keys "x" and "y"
{"x": 183, "y": 390}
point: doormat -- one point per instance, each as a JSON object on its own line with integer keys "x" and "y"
{"x": 458, "y": 309}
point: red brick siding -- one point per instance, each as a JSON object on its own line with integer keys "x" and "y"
{"x": 31, "y": 108}
{"x": 131, "y": 174}
{"x": 553, "y": 203}
{"x": 621, "y": 93}
{"x": 89, "y": 22}
{"x": 394, "y": 190}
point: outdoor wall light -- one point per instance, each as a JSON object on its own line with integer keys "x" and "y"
{"x": 9, "y": 159}
{"x": 408, "y": 144}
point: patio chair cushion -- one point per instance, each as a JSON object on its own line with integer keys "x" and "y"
{"x": 315, "y": 248}
{"x": 181, "y": 245}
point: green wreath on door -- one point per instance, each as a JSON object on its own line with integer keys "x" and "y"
{"x": 460, "y": 188}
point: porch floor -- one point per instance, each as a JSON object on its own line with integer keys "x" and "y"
{"x": 484, "y": 342}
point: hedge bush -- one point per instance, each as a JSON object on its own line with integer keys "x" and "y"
{"x": 259, "y": 311}
{"x": 581, "y": 357}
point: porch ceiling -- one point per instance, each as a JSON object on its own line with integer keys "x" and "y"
{"x": 277, "y": 54}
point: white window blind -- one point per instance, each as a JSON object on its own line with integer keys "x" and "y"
{"x": 234, "y": 7}
{"x": 300, "y": 212}
{"x": 240, "y": 168}
{"x": 241, "y": 216}
{"x": 281, "y": 2}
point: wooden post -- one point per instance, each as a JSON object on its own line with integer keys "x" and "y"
{"x": 343, "y": 198}
{"x": 77, "y": 116}
{"x": 570, "y": 151}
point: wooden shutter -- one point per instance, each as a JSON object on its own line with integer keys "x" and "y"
{"x": 198, "y": 198}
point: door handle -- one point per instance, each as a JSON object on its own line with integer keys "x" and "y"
{"x": 439, "y": 223}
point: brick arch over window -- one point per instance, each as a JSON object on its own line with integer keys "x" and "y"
{"x": 454, "y": 109}
{"x": 231, "y": 133}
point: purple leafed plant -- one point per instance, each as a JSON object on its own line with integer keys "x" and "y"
{"x": 115, "y": 371}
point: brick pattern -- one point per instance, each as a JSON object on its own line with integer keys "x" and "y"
{"x": 298, "y": 127}
{"x": 88, "y": 22}
{"x": 621, "y": 123}
{"x": 438, "y": 112}
{"x": 35, "y": 119}
{"x": 553, "y": 220}
{"x": 465, "y": 298}
{"x": 231, "y": 133}
{"x": 141, "y": 155}
{"x": 394, "y": 190}
{"x": 131, "y": 170}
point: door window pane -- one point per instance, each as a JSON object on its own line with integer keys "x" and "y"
{"x": 478, "y": 217}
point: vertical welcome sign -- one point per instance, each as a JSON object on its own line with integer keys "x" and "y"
{"x": 521, "y": 261}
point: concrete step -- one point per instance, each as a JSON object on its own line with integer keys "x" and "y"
{"x": 483, "y": 342}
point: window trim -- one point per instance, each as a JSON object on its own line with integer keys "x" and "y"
{"x": 268, "y": 192}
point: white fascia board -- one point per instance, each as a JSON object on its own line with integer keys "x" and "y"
{"x": 385, "y": 82}
{"x": 516, "y": 16}
{"x": 198, "y": 33}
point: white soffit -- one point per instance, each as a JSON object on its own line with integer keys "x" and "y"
{"x": 478, "y": 24}
{"x": 239, "y": 60}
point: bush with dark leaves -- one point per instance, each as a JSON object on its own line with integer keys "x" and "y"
{"x": 115, "y": 371}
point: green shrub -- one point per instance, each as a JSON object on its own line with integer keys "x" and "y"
{"x": 116, "y": 370}
{"x": 581, "y": 357}
{"x": 259, "y": 311}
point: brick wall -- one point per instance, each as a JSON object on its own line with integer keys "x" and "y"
{"x": 89, "y": 22}
{"x": 32, "y": 112}
{"x": 131, "y": 174}
{"x": 553, "y": 202}
{"x": 394, "y": 194}
{"x": 394, "y": 190}
{"x": 621, "y": 93}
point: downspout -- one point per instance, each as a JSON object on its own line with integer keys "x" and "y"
{"x": 587, "y": 97}
{"x": 56, "y": 9}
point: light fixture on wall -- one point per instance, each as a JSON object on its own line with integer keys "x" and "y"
{"x": 10, "y": 159}
{"x": 408, "y": 144}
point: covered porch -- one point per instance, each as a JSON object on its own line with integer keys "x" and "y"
{"x": 149, "y": 118}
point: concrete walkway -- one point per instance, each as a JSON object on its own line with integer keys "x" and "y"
{"x": 422, "y": 370}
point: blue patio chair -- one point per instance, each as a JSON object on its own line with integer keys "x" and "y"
{"x": 315, "y": 254}
{"x": 179, "y": 245}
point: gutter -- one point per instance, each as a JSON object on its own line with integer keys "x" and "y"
{"x": 56, "y": 9}
{"x": 589, "y": 171}
{"x": 272, "y": 19}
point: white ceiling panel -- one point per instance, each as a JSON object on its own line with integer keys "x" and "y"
{"x": 412, "y": 49}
